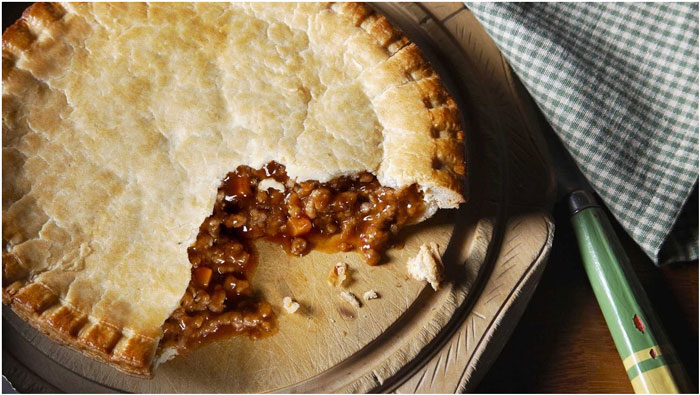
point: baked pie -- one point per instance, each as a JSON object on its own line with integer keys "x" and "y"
{"x": 147, "y": 146}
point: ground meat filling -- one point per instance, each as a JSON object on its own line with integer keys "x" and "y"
{"x": 345, "y": 214}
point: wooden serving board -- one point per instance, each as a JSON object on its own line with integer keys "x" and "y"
{"x": 412, "y": 339}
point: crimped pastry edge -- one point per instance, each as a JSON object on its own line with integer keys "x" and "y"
{"x": 18, "y": 36}
{"x": 442, "y": 188}
{"x": 119, "y": 355}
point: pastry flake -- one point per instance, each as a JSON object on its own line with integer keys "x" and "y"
{"x": 338, "y": 275}
{"x": 350, "y": 298}
{"x": 369, "y": 295}
{"x": 427, "y": 265}
{"x": 290, "y": 305}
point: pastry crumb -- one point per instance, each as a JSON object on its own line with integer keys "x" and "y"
{"x": 371, "y": 294}
{"x": 427, "y": 265}
{"x": 290, "y": 305}
{"x": 270, "y": 183}
{"x": 350, "y": 298}
{"x": 339, "y": 275}
{"x": 166, "y": 355}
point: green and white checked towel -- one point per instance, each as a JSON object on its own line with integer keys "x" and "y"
{"x": 619, "y": 83}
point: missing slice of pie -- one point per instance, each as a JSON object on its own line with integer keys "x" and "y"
{"x": 145, "y": 146}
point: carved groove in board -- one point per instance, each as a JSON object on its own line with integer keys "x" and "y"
{"x": 512, "y": 239}
{"x": 420, "y": 382}
{"x": 494, "y": 297}
{"x": 513, "y": 248}
{"x": 507, "y": 266}
{"x": 475, "y": 331}
{"x": 530, "y": 237}
{"x": 515, "y": 226}
{"x": 453, "y": 14}
{"x": 504, "y": 272}
{"x": 509, "y": 259}
{"x": 466, "y": 338}
{"x": 450, "y": 354}
{"x": 494, "y": 289}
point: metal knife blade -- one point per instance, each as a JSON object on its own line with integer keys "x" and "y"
{"x": 572, "y": 185}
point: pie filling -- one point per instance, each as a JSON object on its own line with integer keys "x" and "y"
{"x": 344, "y": 214}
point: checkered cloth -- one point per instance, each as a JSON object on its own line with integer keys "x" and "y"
{"x": 619, "y": 85}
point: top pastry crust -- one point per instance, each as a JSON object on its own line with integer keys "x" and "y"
{"x": 120, "y": 120}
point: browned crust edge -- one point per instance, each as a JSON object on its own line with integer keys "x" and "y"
{"x": 42, "y": 308}
{"x": 134, "y": 354}
{"x": 35, "y": 302}
{"x": 446, "y": 130}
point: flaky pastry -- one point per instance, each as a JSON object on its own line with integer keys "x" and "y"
{"x": 120, "y": 121}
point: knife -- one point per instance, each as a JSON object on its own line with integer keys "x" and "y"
{"x": 646, "y": 353}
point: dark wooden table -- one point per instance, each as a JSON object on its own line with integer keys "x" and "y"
{"x": 562, "y": 344}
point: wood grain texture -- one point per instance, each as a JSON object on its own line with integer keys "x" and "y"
{"x": 458, "y": 363}
{"x": 563, "y": 335}
{"x": 325, "y": 332}
{"x": 454, "y": 366}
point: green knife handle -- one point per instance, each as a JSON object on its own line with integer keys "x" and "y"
{"x": 648, "y": 357}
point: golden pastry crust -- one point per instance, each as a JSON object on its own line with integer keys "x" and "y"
{"x": 119, "y": 124}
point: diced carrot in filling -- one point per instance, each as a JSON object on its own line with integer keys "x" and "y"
{"x": 202, "y": 275}
{"x": 344, "y": 214}
{"x": 238, "y": 187}
{"x": 298, "y": 226}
